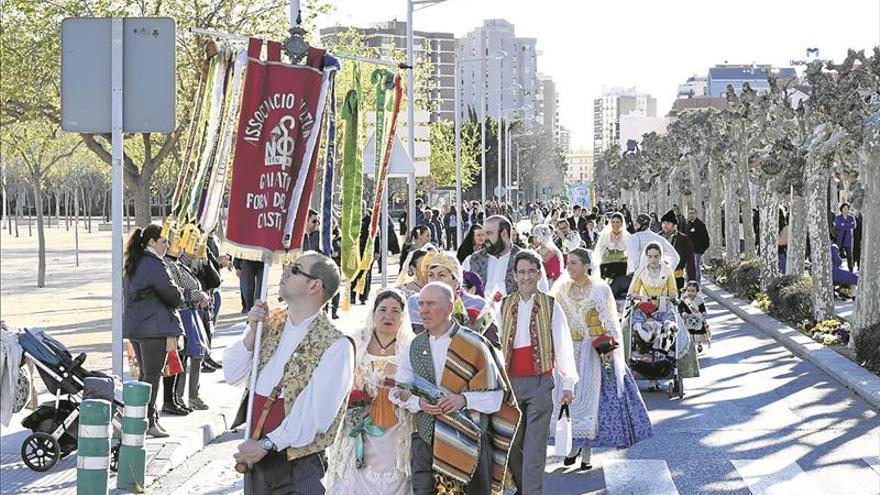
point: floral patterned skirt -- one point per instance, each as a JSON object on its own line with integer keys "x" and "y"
{"x": 623, "y": 421}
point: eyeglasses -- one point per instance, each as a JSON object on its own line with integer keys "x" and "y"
{"x": 532, "y": 272}
{"x": 295, "y": 269}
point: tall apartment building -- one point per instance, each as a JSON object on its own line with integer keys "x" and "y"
{"x": 608, "y": 109}
{"x": 440, "y": 49}
{"x": 508, "y": 78}
{"x": 548, "y": 106}
{"x": 721, "y": 76}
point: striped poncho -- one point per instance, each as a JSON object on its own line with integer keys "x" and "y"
{"x": 472, "y": 365}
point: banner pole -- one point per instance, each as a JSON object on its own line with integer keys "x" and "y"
{"x": 264, "y": 289}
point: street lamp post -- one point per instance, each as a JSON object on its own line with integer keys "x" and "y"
{"x": 410, "y": 98}
{"x": 459, "y": 201}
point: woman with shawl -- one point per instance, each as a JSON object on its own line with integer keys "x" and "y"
{"x": 473, "y": 241}
{"x": 607, "y": 410}
{"x": 380, "y": 464}
{"x": 609, "y": 255}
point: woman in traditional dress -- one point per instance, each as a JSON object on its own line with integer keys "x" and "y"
{"x": 607, "y": 410}
{"x": 654, "y": 283}
{"x": 609, "y": 255}
{"x": 412, "y": 278}
{"x": 550, "y": 254}
{"x": 384, "y": 467}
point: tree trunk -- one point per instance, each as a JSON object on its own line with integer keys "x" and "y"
{"x": 820, "y": 240}
{"x": 698, "y": 189}
{"x": 746, "y": 211}
{"x": 30, "y": 220}
{"x": 140, "y": 195}
{"x": 76, "y": 223}
{"x": 867, "y": 310}
{"x": 41, "y": 235}
{"x": 769, "y": 202}
{"x": 67, "y": 210}
{"x": 713, "y": 217}
{"x": 797, "y": 234}
{"x": 88, "y": 199}
{"x": 731, "y": 221}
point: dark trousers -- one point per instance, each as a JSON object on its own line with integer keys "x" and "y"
{"x": 275, "y": 475}
{"x": 528, "y": 454}
{"x": 847, "y": 253}
{"x": 150, "y": 354}
{"x": 451, "y": 238}
{"x": 251, "y": 278}
{"x": 422, "y": 459}
{"x": 354, "y": 283}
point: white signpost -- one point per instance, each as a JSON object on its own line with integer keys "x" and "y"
{"x": 118, "y": 75}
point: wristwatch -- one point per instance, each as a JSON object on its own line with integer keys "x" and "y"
{"x": 267, "y": 444}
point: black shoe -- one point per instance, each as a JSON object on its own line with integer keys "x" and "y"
{"x": 568, "y": 461}
{"x": 212, "y": 363}
{"x": 586, "y": 466}
{"x": 335, "y": 316}
{"x": 174, "y": 410}
{"x": 207, "y": 368}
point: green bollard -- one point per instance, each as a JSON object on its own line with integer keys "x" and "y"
{"x": 132, "y": 456}
{"x": 93, "y": 458}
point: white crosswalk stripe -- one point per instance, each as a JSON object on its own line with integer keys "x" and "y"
{"x": 638, "y": 476}
{"x": 874, "y": 462}
{"x": 775, "y": 476}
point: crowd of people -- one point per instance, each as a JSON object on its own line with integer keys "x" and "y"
{"x": 460, "y": 377}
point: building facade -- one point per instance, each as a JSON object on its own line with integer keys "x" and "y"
{"x": 721, "y": 76}
{"x": 507, "y": 77}
{"x": 580, "y": 167}
{"x": 435, "y": 47}
{"x": 608, "y": 109}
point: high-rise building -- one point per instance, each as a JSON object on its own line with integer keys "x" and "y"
{"x": 548, "y": 106}
{"x": 507, "y": 77}
{"x": 439, "y": 48}
{"x": 608, "y": 109}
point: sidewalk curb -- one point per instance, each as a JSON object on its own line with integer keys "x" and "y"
{"x": 174, "y": 453}
{"x": 861, "y": 381}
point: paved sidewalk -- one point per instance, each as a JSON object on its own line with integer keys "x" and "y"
{"x": 861, "y": 381}
{"x": 189, "y": 434}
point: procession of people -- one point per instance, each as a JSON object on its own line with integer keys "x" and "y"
{"x": 483, "y": 354}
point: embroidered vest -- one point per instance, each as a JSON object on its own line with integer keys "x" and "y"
{"x": 298, "y": 373}
{"x": 540, "y": 330}
{"x": 480, "y": 266}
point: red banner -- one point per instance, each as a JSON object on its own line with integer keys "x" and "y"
{"x": 278, "y": 109}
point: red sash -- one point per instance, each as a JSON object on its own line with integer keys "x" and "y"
{"x": 522, "y": 364}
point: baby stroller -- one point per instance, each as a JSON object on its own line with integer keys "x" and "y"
{"x": 653, "y": 347}
{"x": 55, "y": 424}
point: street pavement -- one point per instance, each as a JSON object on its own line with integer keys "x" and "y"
{"x": 757, "y": 421}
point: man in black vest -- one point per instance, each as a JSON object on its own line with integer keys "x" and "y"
{"x": 699, "y": 236}
{"x": 682, "y": 245}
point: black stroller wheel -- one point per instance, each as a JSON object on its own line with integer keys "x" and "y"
{"x": 40, "y": 451}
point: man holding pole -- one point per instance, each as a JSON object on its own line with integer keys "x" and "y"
{"x": 307, "y": 365}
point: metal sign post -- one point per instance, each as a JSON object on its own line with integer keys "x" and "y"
{"x": 103, "y": 61}
{"x": 116, "y": 99}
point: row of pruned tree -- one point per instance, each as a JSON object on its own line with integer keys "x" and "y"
{"x": 769, "y": 150}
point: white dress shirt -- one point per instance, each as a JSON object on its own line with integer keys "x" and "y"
{"x": 496, "y": 274}
{"x": 483, "y": 402}
{"x": 317, "y": 405}
{"x": 563, "y": 347}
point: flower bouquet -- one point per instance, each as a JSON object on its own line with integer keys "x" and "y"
{"x": 361, "y": 423}
{"x": 604, "y": 345}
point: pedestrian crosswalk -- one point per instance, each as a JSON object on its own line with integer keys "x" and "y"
{"x": 772, "y": 475}
{"x": 643, "y": 476}
{"x": 775, "y": 476}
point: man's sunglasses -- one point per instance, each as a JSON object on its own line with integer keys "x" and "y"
{"x": 295, "y": 269}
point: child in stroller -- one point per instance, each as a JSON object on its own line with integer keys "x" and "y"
{"x": 54, "y": 424}
{"x": 653, "y": 317}
{"x": 693, "y": 311}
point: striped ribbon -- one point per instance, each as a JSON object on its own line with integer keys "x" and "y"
{"x": 327, "y": 207}
{"x": 352, "y": 183}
